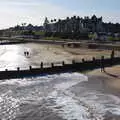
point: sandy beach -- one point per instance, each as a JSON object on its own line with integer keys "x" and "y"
{"x": 111, "y": 77}
{"x": 12, "y": 56}
{"x": 91, "y": 95}
{"x": 101, "y": 92}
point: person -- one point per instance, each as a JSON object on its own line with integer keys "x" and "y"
{"x": 112, "y": 56}
{"x": 25, "y": 53}
{"x": 102, "y": 64}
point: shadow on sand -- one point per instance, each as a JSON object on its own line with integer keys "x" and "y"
{"x": 112, "y": 75}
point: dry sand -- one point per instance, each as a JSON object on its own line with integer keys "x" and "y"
{"x": 47, "y": 52}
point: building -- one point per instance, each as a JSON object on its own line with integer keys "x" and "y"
{"x": 75, "y": 24}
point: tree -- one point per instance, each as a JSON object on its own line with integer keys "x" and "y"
{"x": 55, "y": 20}
{"x": 51, "y": 21}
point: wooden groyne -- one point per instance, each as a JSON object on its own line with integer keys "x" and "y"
{"x": 73, "y": 67}
{"x": 105, "y": 46}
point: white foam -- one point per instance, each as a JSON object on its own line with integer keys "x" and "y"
{"x": 101, "y": 103}
{"x": 9, "y": 106}
{"x": 88, "y": 105}
{"x": 67, "y": 107}
{"x": 26, "y": 81}
{"x": 70, "y": 81}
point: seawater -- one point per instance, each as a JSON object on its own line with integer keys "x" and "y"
{"x": 43, "y": 97}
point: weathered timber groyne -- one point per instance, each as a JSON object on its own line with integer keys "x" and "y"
{"x": 105, "y": 46}
{"x": 73, "y": 67}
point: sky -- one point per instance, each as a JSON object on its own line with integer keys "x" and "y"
{"x": 13, "y": 12}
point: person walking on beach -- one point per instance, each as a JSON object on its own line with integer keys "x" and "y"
{"x": 102, "y": 64}
{"x": 112, "y": 56}
{"x": 27, "y": 53}
{"x": 24, "y": 53}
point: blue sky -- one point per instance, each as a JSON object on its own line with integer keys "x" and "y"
{"x": 88, "y": 4}
{"x": 15, "y": 12}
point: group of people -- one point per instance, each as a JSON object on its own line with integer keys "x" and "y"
{"x": 26, "y": 53}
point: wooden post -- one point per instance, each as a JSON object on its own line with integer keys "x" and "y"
{"x": 83, "y": 60}
{"x": 18, "y": 69}
{"x": 63, "y": 63}
{"x": 93, "y": 59}
{"x": 41, "y": 65}
{"x": 30, "y": 67}
{"x": 94, "y": 63}
{"x": 73, "y": 61}
{"x": 52, "y": 64}
{"x": 102, "y": 57}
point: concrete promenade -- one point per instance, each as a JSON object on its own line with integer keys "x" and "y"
{"x": 70, "y": 43}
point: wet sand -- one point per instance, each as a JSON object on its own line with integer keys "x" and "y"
{"x": 99, "y": 91}
{"x": 108, "y": 82}
{"x": 111, "y": 77}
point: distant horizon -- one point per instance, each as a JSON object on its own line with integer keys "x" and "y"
{"x": 34, "y": 12}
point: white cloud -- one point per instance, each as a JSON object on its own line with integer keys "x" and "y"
{"x": 17, "y": 12}
{"x": 33, "y": 11}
